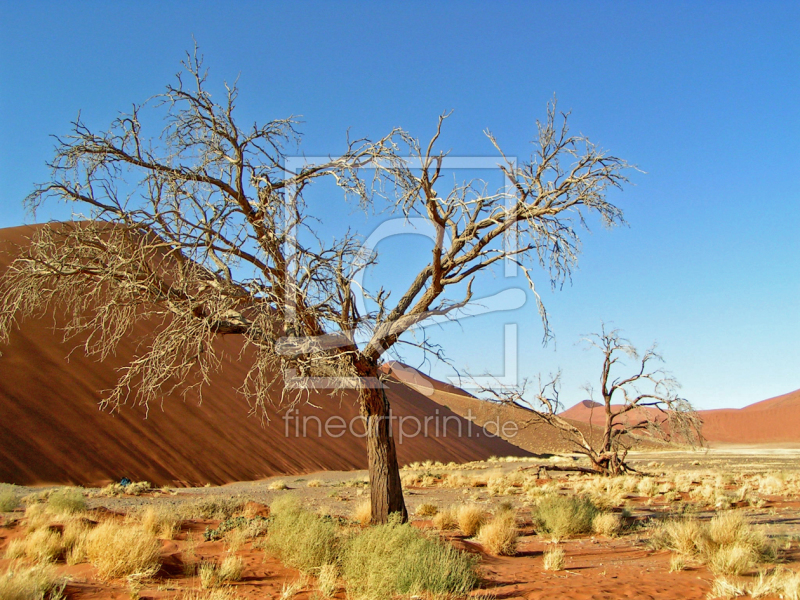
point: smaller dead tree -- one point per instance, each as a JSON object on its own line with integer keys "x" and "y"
{"x": 642, "y": 404}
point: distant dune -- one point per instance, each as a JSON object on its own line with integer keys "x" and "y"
{"x": 533, "y": 437}
{"x": 773, "y": 421}
{"x": 52, "y": 431}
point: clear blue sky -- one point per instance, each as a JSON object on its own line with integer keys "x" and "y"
{"x": 703, "y": 96}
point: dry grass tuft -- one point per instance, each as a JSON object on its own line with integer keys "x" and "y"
{"x": 231, "y": 568}
{"x": 470, "y": 518}
{"x": 31, "y": 583}
{"x": 735, "y": 559}
{"x": 426, "y": 509}
{"x": 726, "y": 588}
{"x": 607, "y": 524}
{"x": 363, "y": 512}
{"x": 677, "y": 562}
{"x": 314, "y": 483}
{"x": 161, "y": 521}
{"x": 554, "y": 559}
{"x": 445, "y": 519}
{"x": 278, "y": 484}
{"x": 499, "y": 536}
{"x": 122, "y": 550}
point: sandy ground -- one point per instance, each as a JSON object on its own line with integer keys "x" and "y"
{"x": 596, "y": 567}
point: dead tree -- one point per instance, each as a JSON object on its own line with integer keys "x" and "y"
{"x": 647, "y": 406}
{"x": 202, "y": 230}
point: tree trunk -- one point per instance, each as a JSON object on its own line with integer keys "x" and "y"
{"x": 386, "y": 491}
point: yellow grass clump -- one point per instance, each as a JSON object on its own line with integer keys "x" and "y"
{"x": 554, "y": 559}
{"x": 499, "y": 536}
{"x": 426, "y": 509}
{"x": 445, "y": 519}
{"x": 118, "y": 550}
{"x": 470, "y": 518}
{"x": 607, "y": 524}
{"x": 161, "y": 521}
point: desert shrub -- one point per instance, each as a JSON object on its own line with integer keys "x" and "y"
{"x": 363, "y": 512}
{"x": 426, "y": 509}
{"x": 684, "y": 537}
{"x": 445, "y": 519}
{"x": 300, "y": 538}
{"x": 499, "y": 536}
{"x": 730, "y": 529}
{"x": 120, "y": 550}
{"x": 135, "y": 488}
{"x": 727, "y": 543}
{"x": 252, "y": 527}
{"x": 470, "y": 517}
{"x": 315, "y": 483}
{"x": 66, "y": 502}
{"x": 562, "y": 516}
{"x": 607, "y": 524}
{"x": 8, "y": 499}
{"x": 31, "y": 583}
{"x": 162, "y": 521}
{"x": 554, "y": 559}
{"x": 396, "y": 559}
{"x": 213, "y": 507}
{"x": 278, "y": 484}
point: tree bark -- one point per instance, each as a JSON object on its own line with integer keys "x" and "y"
{"x": 386, "y": 491}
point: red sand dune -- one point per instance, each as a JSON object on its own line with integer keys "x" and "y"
{"x": 51, "y": 429}
{"x": 534, "y": 437}
{"x": 773, "y": 421}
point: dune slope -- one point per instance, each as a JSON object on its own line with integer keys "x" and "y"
{"x": 52, "y": 431}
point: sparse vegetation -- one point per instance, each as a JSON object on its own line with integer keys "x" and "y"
{"x": 391, "y": 559}
{"x": 300, "y": 538}
{"x": 37, "y": 582}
